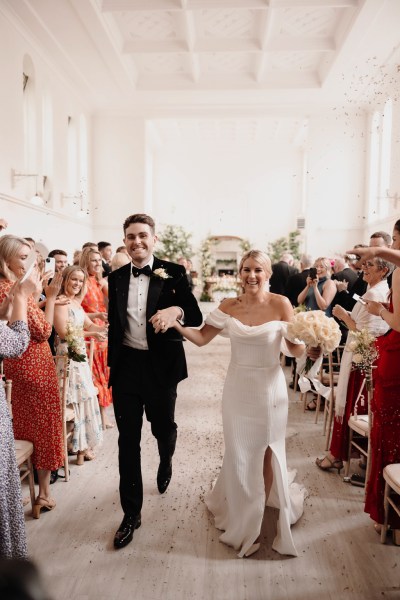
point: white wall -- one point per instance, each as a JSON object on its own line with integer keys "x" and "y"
{"x": 56, "y": 227}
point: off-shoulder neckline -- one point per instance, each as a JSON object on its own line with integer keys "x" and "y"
{"x": 244, "y": 324}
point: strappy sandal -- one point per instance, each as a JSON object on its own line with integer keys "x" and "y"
{"x": 332, "y": 464}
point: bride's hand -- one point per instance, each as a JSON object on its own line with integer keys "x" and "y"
{"x": 313, "y": 352}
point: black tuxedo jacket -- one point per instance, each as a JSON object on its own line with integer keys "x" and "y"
{"x": 296, "y": 284}
{"x": 166, "y": 349}
{"x": 281, "y": 272}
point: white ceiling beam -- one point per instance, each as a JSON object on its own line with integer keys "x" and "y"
{"x": 134, "y": 5}
{"x": 188, "y": 26}
{"x": 267, "y": 22}
{"x": 316, "y": 3}
{"x": 286, "y": 43}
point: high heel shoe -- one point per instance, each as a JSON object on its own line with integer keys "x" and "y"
{"x": 42, "y": 504}
{"x": 332, "y": 464}
{"x": 252, "y": 550}
{"x": 80, "y": 458}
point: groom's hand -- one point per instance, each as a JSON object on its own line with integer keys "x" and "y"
{"x": 165, "y": 319}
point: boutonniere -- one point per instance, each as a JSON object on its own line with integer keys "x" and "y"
{"x": 161, "y": 273}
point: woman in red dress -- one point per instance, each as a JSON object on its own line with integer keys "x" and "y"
{"x": 36, "y": 405}
{"x": 385, "y": 433}
{"x": 94, "y": 303}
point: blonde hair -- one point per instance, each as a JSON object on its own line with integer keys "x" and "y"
{"x": 10, "y": 245}
{"x": 326, "y": 262}
{"x": 119, "y": 260}
{"x": 261, "y": 257}
{"x": 84, "y": 261}
{"x": 66, "y": 276}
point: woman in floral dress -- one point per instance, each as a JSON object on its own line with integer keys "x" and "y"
{"x": 94, "y": 304}
{"x": 71, "y": 325}
{"x": 14, "y": 341}
{"x": 36, "y": 401}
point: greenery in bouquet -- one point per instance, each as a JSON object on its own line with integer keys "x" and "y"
{"x": 299, "y": 308}
{"x": 75, "y": 343}
{"x": 365, "y": 353}
{"x": 315, "y": 329}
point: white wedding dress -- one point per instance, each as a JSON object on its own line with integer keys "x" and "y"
{"x": 254, "y": 414}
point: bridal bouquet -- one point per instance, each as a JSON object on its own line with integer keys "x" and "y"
{"x": 75, "y": 342}
{"x": 315, "y": 329}
{"x": 365, "y": 353}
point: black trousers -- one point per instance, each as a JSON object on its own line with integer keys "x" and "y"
{"x": 136, "y": 390}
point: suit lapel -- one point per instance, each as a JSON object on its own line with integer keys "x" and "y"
{"x": 155, "y": 286}
{"x": 122, "y": 291}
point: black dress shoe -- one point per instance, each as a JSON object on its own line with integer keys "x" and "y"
{"x": 125, "y": 531}
{"x": 164, "y": 475}
{"x": 358, "y": 480}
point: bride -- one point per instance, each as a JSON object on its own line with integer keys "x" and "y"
{"x": 254, "y": 412}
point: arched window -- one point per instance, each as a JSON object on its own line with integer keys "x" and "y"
{"x": 29, "y": 115}
{"x": 83, "y": 164}
{"x": 72, "y": 142}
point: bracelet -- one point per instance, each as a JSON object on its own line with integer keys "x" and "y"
{"x": 381, "y": 311}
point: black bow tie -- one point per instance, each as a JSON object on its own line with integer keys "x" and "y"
{"x": 145, "y": 271}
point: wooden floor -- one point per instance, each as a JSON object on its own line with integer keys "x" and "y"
{"x": 176, "y": 554}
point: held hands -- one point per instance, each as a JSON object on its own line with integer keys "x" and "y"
{"x": 165, "y": 319}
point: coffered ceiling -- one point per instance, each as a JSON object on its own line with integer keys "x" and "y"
{"x": 218, "y": 55}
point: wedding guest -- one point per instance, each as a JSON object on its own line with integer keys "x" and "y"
{"x": 297, "y": 281}
{"x": 319, "y": 291}
{"x": 82, "y": 394}
{"x": 76, "y": 257}
{"x": 122, "y": 249}
{"x": 94, "y": 303}
{"x": 254, "y": 468}
{"x": 385, "y": 431}
{"x": 31, "y": 242}
{"x": 350, "y": 380}
{"x": 3, "y": 224}
{"x": 146, "y": 365}
{"x": 119, "y": 260}
{"x": 105, "y": 250}
{"x": 14, "y": 339}
{"x": 183, "y": 261}
{"x": 91, "y": 245}
{"x": 281, "y": 271}
{"x": 60, "y": 258}
{"x": 36, "y": 401}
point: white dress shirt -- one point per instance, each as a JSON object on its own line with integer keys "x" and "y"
{"x": 135, "y": 330}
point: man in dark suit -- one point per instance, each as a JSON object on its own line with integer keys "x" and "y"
{"x": 147, "y": 360}
{"x": 105, "y": 250}
{"x": 297, "y": 282}
{"x": 281, "y": 271}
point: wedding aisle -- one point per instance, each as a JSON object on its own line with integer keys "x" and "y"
{"x": 176, "y": 555}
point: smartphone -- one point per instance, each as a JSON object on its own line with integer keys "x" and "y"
{"x": 359, "y": 299}
{"x": 313, "y": 273}
{"x": 50, "y": 265}
{"x": 30, "y": 263}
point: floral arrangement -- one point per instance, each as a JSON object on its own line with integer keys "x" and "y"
{"x": 75, "y": 342}
{"x": 365, "y": 353}
{"x": 161, "y": 273}
{"x": 315, "y": 329}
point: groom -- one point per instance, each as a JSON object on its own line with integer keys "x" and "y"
{"x": 147, "y": 360}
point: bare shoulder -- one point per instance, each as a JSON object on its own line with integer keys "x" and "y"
{"x": 229, "y": 304}
{"x": 281, "y": 306}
